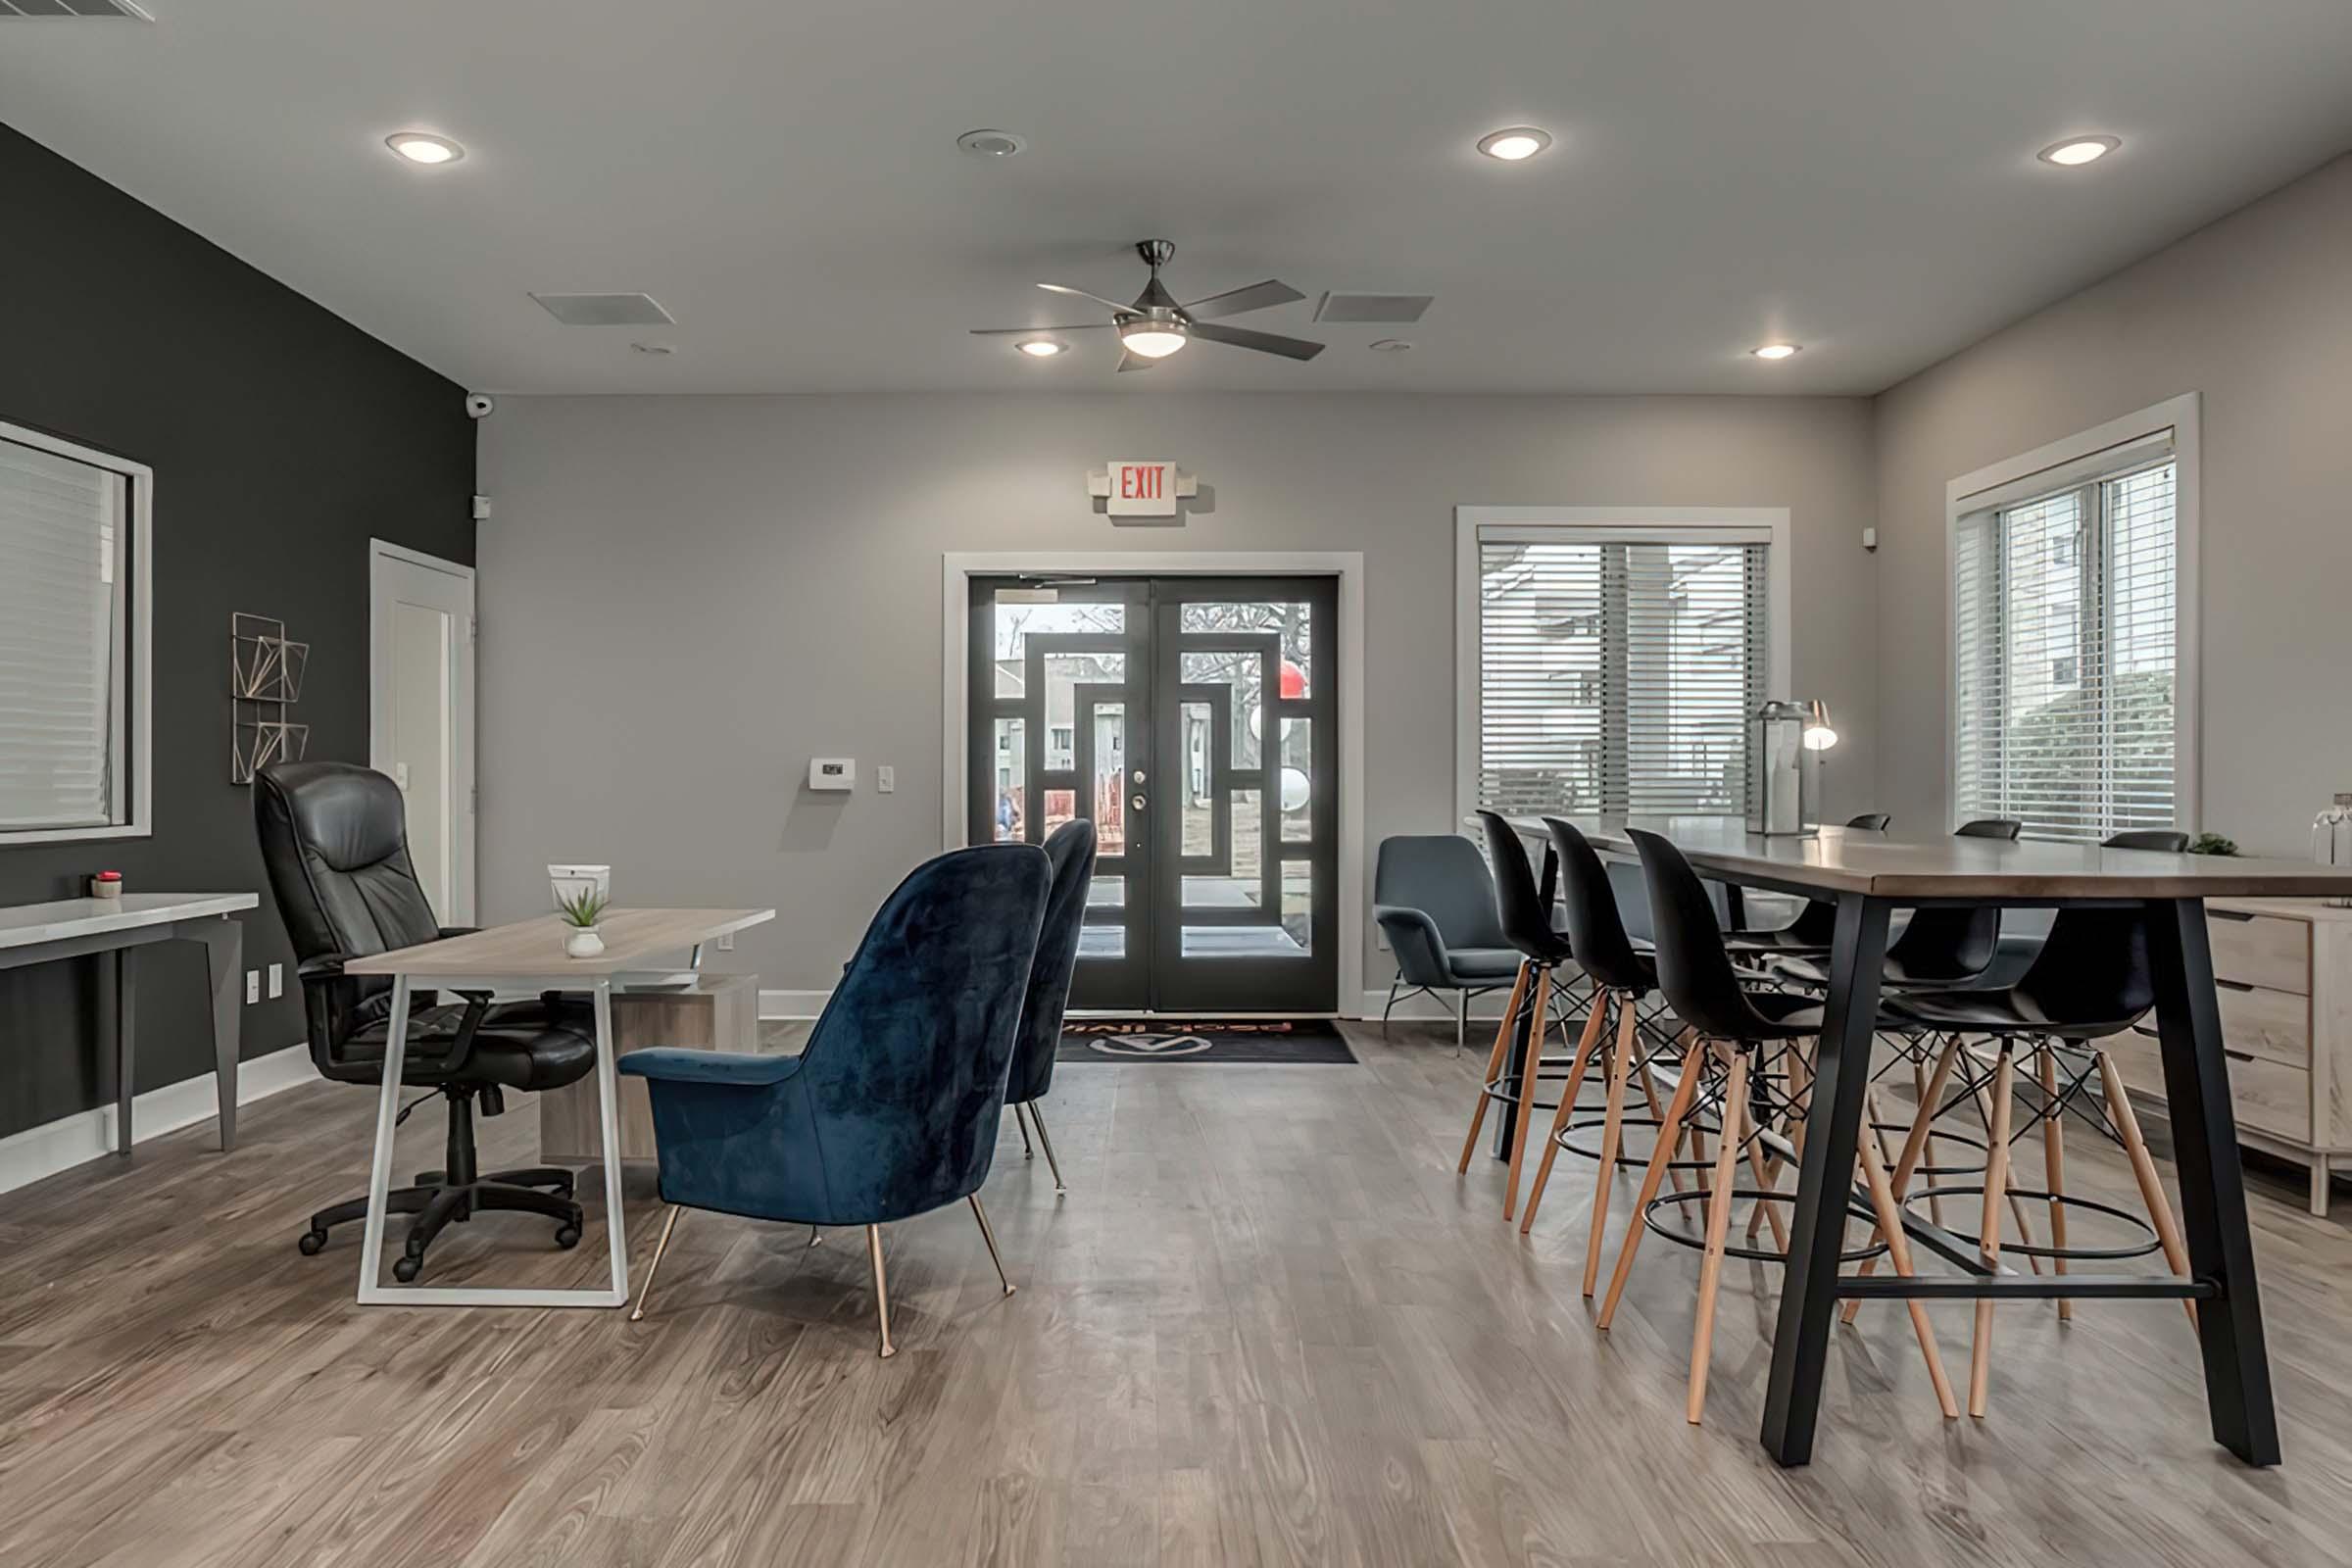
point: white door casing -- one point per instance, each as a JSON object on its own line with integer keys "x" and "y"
{"x": 421, "y": 654}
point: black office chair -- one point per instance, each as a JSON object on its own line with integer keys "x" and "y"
{"x": 334, "y": 838}
{"x": 1527, "y": 926}
{"x": 1737, "y": 1035}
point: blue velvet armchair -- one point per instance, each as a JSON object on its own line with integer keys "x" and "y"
{"x": 892, "y": 1109}
{"x": 1071, "y": 850}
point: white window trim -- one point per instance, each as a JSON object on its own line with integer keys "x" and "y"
{"x": 2180, "y": 415}
{"x": 139, "y": 480}
{"x": 1767, "y": 525}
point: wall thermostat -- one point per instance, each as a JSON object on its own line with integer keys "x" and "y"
{"x": 832, "y": 773}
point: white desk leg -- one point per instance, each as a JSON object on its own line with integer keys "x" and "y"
{"x": 379, "y": 1172}
{"x": 608, "y": 1098}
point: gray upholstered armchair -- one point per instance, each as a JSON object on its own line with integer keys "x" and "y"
{"x": 1435, "y": 901}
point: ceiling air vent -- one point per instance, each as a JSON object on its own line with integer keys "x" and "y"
{"x": 605, "y": 310}
{"x": 1371, "y": 307}
{"x": 121, "y": 10}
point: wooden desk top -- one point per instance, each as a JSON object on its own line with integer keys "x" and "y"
{"x": 634, "y": 939}
{"x": 25, "y": 924}
{"x": 1848, "y": 860}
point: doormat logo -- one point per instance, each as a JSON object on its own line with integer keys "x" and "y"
{"x": 1150, "y": 1045}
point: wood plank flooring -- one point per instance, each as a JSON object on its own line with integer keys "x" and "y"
{"x": 1267, "y": 1325}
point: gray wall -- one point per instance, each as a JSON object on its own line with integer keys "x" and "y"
{"x": 682, "y": 599}
{"x": 2255, "y": 313}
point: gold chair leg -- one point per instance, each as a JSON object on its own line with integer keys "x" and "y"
{"x": 1996, "y": 1190}
{"x": 1527, "y": 1090}
{"x": 2143, "y": 1170}
{"x": 1021, "y": 1119}
{"x": 1046, "y": 1142}
{"x": 873, "y": 1251}
{"x": 1685, "y": 1089}
{"x": 990, "y": 1237}
{"x": 1502, "y": 1046}
{"x": 814, "y": 1236}
{"x": 2053, "y": 1162}
{"x": 1719, "y": 1224}
{"x": 1898, "y": 1254}
{"x": 660, "y": 1246}
{"x": 1559, "y": 1119}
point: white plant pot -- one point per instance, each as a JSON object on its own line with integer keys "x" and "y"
{"x": 584, "y": 942}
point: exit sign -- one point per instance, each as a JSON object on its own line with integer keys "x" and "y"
{"x": 1141, "y": 489}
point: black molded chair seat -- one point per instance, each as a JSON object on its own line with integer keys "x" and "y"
{"x": 1814, "y": 930}
{"x": 521, "y": 1044}
{"x": 2007, "y": 1011}
{"x": 1527, "y": 925}
{"x": 1923, "y": 970}
{"x": 1482, "y": 963}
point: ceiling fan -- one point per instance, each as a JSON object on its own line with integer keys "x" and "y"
{"x": 1155, "y": 325}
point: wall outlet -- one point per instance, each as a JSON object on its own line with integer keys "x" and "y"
{"x": 277, "y": 981}
{"x": 253, "y": 986}
{"x": 726, "y": 944}
{"x": 886, "y": 779}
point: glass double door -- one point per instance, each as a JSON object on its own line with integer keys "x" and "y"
{"x": 1192, "y": 719}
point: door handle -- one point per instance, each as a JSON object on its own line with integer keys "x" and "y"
{"x": 1139, "y": 776}
{"x": 1136, "y": 802}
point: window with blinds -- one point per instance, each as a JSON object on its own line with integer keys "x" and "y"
{"x": 66, "y": 555}
{"x": 1617, "y": 676}
{"x": 2065, "y": 671}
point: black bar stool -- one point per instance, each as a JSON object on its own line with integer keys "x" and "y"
{"x": 1809, "y": 933}
{"x": 1734, "y": 1031}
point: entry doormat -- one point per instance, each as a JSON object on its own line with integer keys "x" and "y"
{"x": 1213, "y": 1041}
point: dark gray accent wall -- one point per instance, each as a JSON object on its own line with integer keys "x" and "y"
{"x": 282, "y": 439}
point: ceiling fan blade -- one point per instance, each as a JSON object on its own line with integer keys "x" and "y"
{"x": 1108, "y": 305}
{"x": 1039, "y": 331}
{"x": 1234, "y": 300}
{"x": 1135, "y": 362}
{"x": 1241, "y": 337}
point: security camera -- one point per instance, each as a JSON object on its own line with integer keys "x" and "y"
{"x": 479, "y": 406}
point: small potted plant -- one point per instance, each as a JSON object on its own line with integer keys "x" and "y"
{"x": 580, "y": 912}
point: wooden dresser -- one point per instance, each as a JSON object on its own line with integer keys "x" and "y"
{"x": 2284, "y": 967}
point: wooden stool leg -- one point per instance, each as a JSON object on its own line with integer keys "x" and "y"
{"x": 1920, "y": 1139}
{"x": 2143, "y": 1169}
{"x": 2017, "y": 1206}
{"x": 1765, "y": 1207}
{"x": 1559, "y": 1119}
{"x": 1898, "y": 1254}
{"x": 1658, "y": 1113}
{"x": 1527, "y": 1089}
{"x": 1719, "y": 1224}
{"x": 1612, "y": 1136}
{"x": 1918, "y": 1087}
{"x": 1677, "y": 1107}
{"x": 1502, "y": 1044}
{"x": 2053, "y": 1161}
{"x": 1996, "y": 1187}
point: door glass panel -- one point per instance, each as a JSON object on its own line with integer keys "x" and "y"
{"x": 1102, "y": 942}
{"x": 1222, "y": 893}
{"x": 1297, "y": 780}
{"x": 1289, "y": 621}
{"x": 1106, "y": 893}
{"x": 1243, "y": 942}
{"x": 1016, "y": 622}
{"x": 1063, "y": 673}
{"x": 1297, "y": 904}
{"x": 1110, "y": 776}
{"x": 1249, "y": 834}
{"x": 1198, "y": 815}
{"x": 1061, "y": 806}
{"x": 1240, "y": 673}
{"x": 1011, "y": 775}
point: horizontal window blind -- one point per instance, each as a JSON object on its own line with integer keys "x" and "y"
{"x": 2064, "y": 674}
{"x": 1618, "y": 677}
{"x": 62, "y": 640}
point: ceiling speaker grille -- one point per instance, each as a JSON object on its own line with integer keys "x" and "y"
{"x": 1371, "y": 307}
{"x": 88, "y": 10}
{"x": 605, "y": 310}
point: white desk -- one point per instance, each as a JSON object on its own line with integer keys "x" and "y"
{"x": 529, "y": 956}
{"x": 73, "y": 928}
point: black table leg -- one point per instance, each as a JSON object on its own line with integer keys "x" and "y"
{"x": 2213, "y": 1190}
{"x": 1825, "y": 1186}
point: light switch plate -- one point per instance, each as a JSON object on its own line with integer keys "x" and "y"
{"x": 726, "y": 942}
{"x": 253, "y": 986}
{"x": 277, "y": 981}
{"x": 886, "y": 779}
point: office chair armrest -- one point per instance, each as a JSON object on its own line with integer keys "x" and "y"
{"x": 325, "y": 966}
{"x": 674, "y": 1064}
{"x": 1413, "y": 937}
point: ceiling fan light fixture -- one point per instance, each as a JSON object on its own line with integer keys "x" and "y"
{"x": 1041, "y": 348}
{"x": 1514, "y": 143}
{"x": 1153, "y": 340}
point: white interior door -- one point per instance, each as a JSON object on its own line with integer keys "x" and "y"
{"x": 420, "y": 713}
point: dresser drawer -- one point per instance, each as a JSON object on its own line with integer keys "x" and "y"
{"x": 2273, "y": 1025}
{"x": 2266, "y": 1097}
{"x": 2260, "y": 950}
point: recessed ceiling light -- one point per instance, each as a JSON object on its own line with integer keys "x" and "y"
{"x": 1514, "y": 142}
{"x": 1391, "y": 345}
{"x": 1773, "y": 351}
{"x": 658, "y": 349}
{"x": 992, "y": 143}
{"x": 1041, "y": 348}
{"x": 2075, "y": 151}
{"x": 1153, "y": 340}
{"x": 420, "y": 147}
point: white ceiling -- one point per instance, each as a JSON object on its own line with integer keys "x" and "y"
{"x": 1857, "y": 175}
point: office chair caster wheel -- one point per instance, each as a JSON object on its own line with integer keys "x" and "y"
{"x": 567, "y": 1236}
{"x": 405, "y": 1269}
{"x": 311, "y": 1242}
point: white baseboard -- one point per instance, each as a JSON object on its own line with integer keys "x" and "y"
{"x": 793, "y": 1004}
{"x": 69, "y": 1141}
